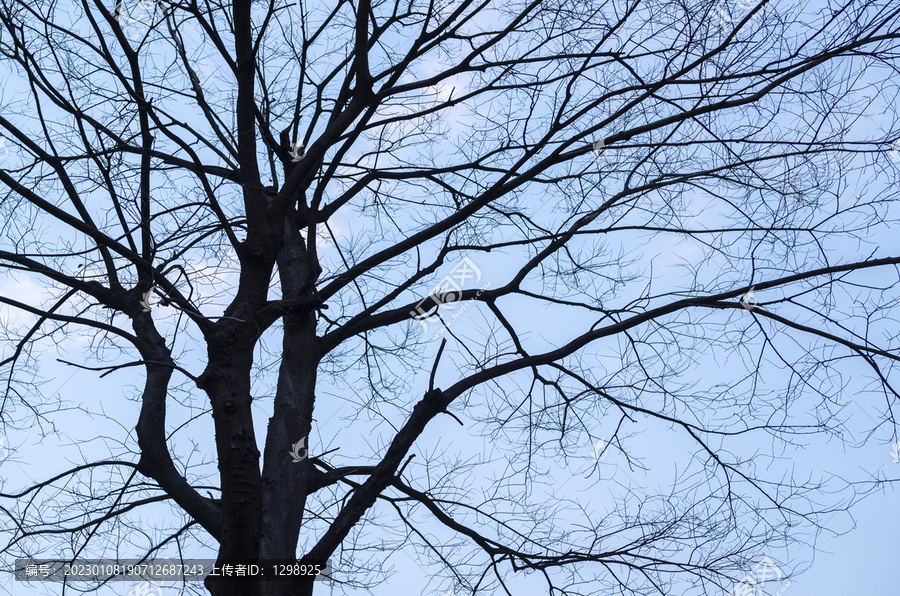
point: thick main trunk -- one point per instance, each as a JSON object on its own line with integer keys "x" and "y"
{"x": 262, "y": 512}
{"x": 285, "y": 480}
{"x": 227, "y": 382}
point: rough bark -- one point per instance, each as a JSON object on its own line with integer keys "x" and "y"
{"x": 286, "y": 482}
{"x": 226, "y": 381}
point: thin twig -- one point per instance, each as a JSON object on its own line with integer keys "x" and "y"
{"x": 406, "y": 463}
{"x": 113, "y": 368}
{"x": 434, "y": 368}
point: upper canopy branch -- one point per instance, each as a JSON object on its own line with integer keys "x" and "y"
{"x": 714, "y": 300}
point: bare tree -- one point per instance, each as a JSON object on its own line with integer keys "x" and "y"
{"x": 642, "y": 212}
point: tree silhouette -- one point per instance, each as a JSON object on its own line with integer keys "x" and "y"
{"x": 539, "y": 218}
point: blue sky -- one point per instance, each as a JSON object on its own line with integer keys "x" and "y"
{"x": 96, "y": 419}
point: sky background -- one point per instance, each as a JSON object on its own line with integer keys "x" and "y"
{"x": 862, "y": 560}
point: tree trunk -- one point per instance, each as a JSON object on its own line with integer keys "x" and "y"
{"x": 285, "y": 481}
{"x": 265, "y": 512}
{"x": 227, "y": 382}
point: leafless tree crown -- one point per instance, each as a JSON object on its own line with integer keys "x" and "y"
{"x": 646, "y": 246}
